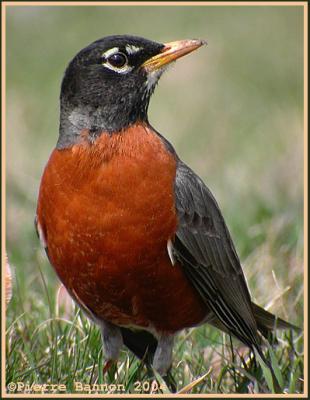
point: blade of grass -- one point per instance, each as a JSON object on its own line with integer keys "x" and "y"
{"x": 190, "y": 386}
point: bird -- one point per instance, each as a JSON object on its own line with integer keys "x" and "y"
{"x": 133, "y": 233}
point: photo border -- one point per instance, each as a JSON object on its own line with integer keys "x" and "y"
{"x": 7, "y": 4}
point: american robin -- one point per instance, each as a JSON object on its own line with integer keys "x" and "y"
{"x": 133, "y": 233}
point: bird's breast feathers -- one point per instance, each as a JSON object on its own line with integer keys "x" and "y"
{"x": 107, "y": 211}
{"x": 117, "y": 192}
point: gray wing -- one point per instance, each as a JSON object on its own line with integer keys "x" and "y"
{"x": 204, "y": 248}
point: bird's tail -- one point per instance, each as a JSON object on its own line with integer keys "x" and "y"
{"x": 142, "y": 343}
{"x": 267, "y": 322}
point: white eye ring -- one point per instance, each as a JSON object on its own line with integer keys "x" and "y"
{"x": 108, "y": 62}
{"x": 118, "y": 60}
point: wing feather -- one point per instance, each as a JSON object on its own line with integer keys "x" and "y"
{"x": 205, "y": 250}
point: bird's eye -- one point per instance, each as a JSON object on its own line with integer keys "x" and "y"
{"x": 117, "y": 60}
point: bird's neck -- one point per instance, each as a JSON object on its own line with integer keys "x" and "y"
{"x": 104, "y": 118}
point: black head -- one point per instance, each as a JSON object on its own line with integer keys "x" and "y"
{"x": 108, "y": 84}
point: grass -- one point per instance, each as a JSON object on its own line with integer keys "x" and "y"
{"x": 240, "y": 127}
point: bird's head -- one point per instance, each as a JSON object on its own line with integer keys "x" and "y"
{"x": 108, "y": 84}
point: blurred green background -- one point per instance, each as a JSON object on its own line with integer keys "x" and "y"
{"x": 233, "y": 110}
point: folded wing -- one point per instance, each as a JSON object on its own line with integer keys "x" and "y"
{"x": 204, "y": 248}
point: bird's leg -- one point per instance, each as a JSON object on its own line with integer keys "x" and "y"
{"x": 163, "y": 354}
{"x": 112, "y": 343}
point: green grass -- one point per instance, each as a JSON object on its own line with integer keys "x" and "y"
{"x": 239, "y": 126}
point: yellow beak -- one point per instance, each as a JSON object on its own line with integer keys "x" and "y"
{"x": 171, "y": 52}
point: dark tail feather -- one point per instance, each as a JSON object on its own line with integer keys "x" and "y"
{"x": 267, "y": 322}
{"x": 142, "y": 343}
